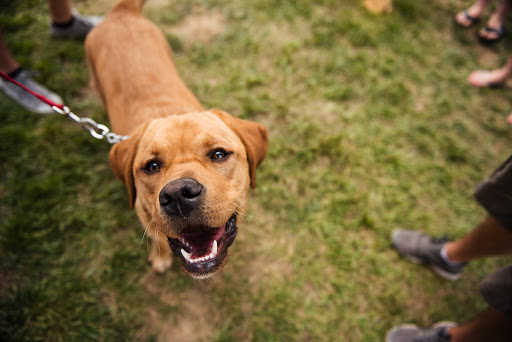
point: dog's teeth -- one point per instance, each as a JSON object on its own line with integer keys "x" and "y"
{"x": 200, "y": 259}
{"x": 214, "y": 247}
{"x": 185, "y": 254}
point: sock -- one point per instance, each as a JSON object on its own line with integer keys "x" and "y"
{"x": 444, "y": 255}
{"x": 64, "y": 25}
{"x": 15, "y": 73}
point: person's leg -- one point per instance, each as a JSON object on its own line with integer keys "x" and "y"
{"x": 494, "y": 28}
{"x": 494, "y": 235}
{"x": 10, "y": 66}
{"x": 7, "y": 62}
{"x": 488, "y": 78}
{"x": 489, "y": 325}
{"x": 489, "y": 238}
{"x": 471, "y": 15}
{"x": 67, "y": 22}
{"x": 494, "y": 323}
{"x": 60, "y": 11}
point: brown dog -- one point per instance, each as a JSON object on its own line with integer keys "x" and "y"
{"x": 188, "y": 175}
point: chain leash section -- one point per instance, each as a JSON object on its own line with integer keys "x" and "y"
{"x": 97, "y": 130}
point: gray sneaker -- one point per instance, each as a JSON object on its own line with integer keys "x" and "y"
{"x": 423, "y": 249}
{"x": 413, "y": 333}
{"x": 24, "y": 98}
{"x": 78, "y": 29}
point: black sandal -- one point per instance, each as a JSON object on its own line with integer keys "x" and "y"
{"x": 499, "y": 32}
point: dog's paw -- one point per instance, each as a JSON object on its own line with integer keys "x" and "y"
{"x": 160, "y": 263}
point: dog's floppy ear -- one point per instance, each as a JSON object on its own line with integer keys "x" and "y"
{"x": 253, "y": 135}
{"x": 122, "y": 156}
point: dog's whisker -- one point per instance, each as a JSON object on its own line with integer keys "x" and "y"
{"x": 145, "y": 233}
{"x": 244, "y": 217}
{"x": 204, "y": 281}
{"x": 235, "y": 204}
{"x": 240, "y": 210}
{"x": 230, "y": 212}
{"x": 158, "y": 242}
{"x": 142, "y": 239}
{"x": 241, "y": 216}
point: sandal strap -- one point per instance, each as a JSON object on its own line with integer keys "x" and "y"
{"x": 473, "y": 20}
{"x": 500, "y": 31}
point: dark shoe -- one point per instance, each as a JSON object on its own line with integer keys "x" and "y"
{"x": 78, "y": 29}
{"x": 423, "y": 249}
{"x": 500, "y": 33}
{"x": 413, "y": 333}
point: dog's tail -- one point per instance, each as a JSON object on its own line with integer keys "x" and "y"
{"x": 131, "y": 5}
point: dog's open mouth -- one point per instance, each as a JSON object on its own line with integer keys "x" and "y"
{"x": 203, "y": 250}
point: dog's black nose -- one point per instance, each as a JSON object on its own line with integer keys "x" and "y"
{"x": 180, "y": 197}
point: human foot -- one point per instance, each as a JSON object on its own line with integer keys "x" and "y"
{"x": 484, "y": 78}
{"x": 493, "y": 30}
{"x": 466, "y": 20}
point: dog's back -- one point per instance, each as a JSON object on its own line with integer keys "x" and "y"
{"x": 131, "y": 66}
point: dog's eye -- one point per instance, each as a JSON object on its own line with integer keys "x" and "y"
{"x": 219, "y": 155}
{"x": 152, "y": 167}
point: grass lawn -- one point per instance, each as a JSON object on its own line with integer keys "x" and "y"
{"x": 372, "y": 124}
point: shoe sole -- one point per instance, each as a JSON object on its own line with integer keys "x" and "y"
{"x": 448, "y": 324}
{"x": 47, "y": 110}
{"x": 437, "y": 270}
{"x": 401, "y": 326}
{"x": 445, "y": 324}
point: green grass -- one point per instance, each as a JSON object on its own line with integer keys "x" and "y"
{"x": 372, "y": 125}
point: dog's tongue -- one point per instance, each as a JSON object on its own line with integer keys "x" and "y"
{"x": 201, "y": 237}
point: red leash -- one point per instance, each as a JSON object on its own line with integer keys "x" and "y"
{"x": 97, "y": 130}
{"x": 39, "y": 96}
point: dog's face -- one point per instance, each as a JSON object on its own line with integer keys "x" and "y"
{"x": 189, "y": 176}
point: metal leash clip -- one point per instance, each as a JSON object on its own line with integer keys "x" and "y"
{"x": 97, "y": 130}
